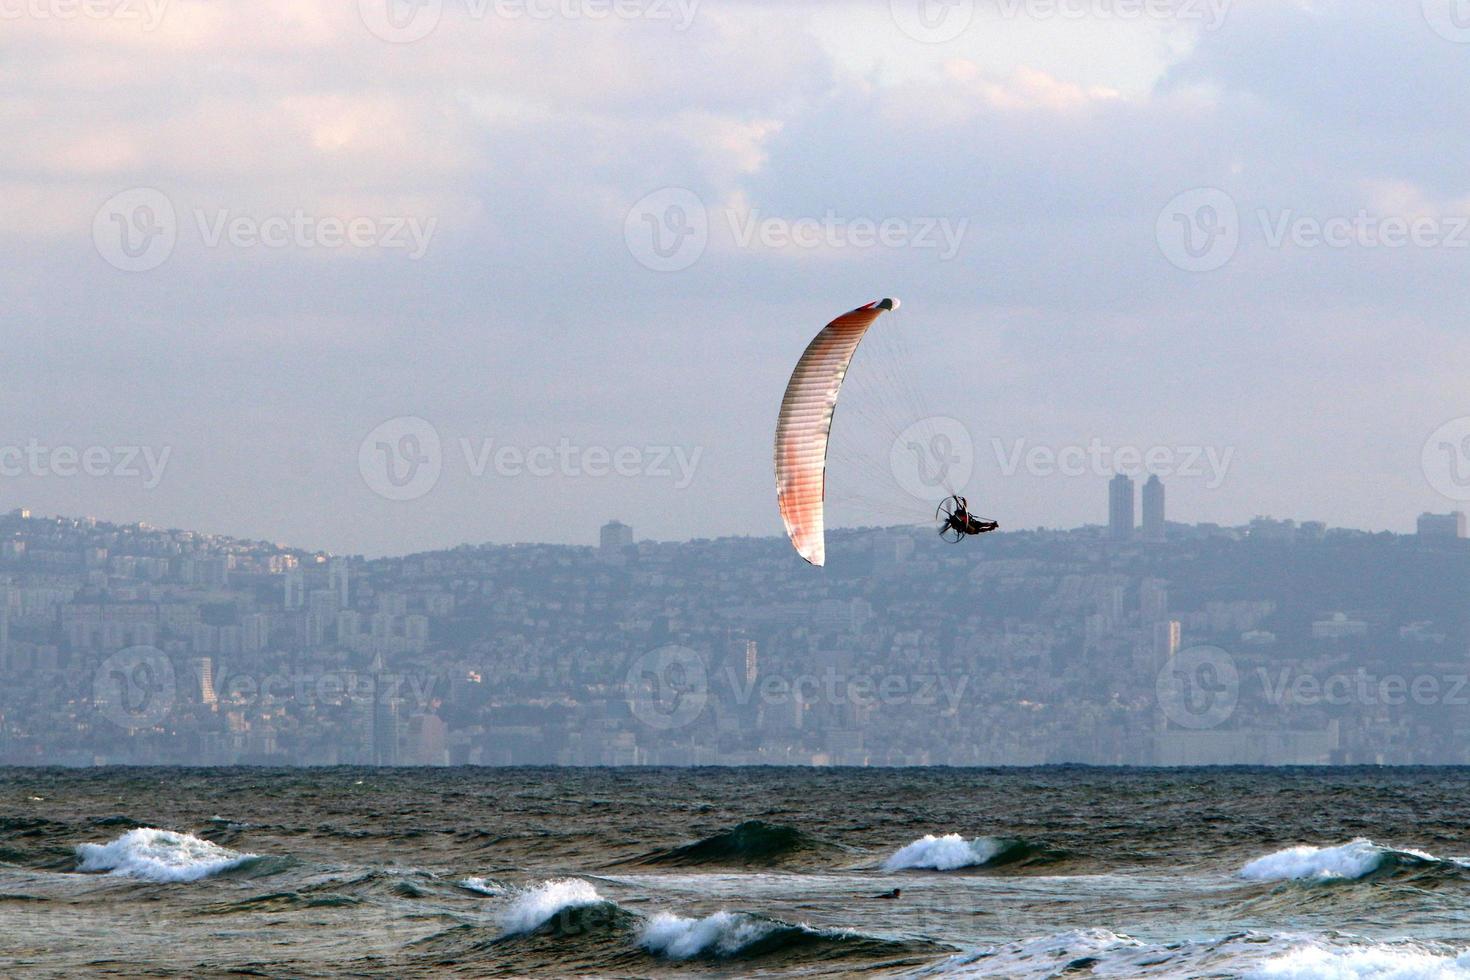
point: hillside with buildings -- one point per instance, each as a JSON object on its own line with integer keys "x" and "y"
{"x": 1157, "y": 643}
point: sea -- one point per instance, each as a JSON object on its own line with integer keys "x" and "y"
{"x": 646, "y": 872}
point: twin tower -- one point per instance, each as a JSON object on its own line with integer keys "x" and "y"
{"x": 1121, "y": 525}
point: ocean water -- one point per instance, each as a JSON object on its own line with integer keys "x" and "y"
{"x": 735, "y": 872}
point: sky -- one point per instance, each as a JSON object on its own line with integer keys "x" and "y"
{"x": 392, "y": 275}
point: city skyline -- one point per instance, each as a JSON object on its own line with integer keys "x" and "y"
{"x": 133, "y": 645}
{"x": 1136, "y": 505}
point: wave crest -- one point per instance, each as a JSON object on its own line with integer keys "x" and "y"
{"x": 743, "y": 935}
{"x": 752, "y": 842}
{"x": 1250, "y": 955}
{"x": 723, "y": 934}
{"x": 951, "y": 852}
{"x": 150, "y": 854}
{"x": 1359, "y": 858}
{"x": 538, "y": 907}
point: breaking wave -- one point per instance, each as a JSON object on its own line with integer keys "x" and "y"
{"x": 1317, "y": 962}
{"x": 743, "y": 935}
{"x": 481, "y": 886}
{"x": 952, "y": 852}
{"x": 563, "y": 905}
{"x": 150, "y": 854}
{"x": 1250, "y": 955}
{"x": 1357, "y": 859}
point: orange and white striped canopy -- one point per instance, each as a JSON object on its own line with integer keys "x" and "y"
{"x": 805, "y": 422}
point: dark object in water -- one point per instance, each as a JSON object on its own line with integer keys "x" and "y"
{"x": 893, "y": 894}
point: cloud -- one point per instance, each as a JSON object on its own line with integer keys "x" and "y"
{"x": 1056, "y": 142}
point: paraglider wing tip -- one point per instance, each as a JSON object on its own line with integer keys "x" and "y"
{"x": 888, "y": 304}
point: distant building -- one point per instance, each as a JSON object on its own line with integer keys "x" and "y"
{"x": 1451, "y": 525}
{"x": 6, "y": 662}
{"x": 204, "y": 674}
{"x": 1338, "y": 627}
{"x": 1120, "y": 507}
{"x": 615, "y": 537}
{"x": 295, "y": 592}
{"x": 1270, "y": 529}
{"x": 1167, "y": 635}
{"x": 337, "y": 581}
{"x": 1153, "y": 600}
{"x": 1153, "y": 509}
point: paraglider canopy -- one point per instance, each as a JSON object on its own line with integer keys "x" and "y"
{"x": 805, "y": 424}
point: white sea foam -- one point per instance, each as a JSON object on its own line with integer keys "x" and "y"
{"x": 534, "y": 907}
{"x": 1042, "y": 956}
{"x": 482, "y": 885}
{"x": 1254, "y": 956}
{"x": 1363, "y": 963}
{"x": 720, "y": 934}
{"x": 159, "y": 855}
{"x": 945, "y": 853}
{"x": 1351, "y": 860}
